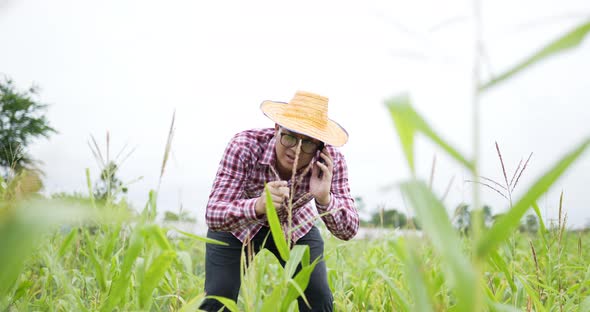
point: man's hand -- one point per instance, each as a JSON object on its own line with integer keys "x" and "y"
{"x": 278, "y": 192}
{"x": 320, "y": 187}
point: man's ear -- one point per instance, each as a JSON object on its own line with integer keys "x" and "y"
{"x": 276, "y": 126}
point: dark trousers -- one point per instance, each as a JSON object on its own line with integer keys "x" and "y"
{"x": 222, "y": 269}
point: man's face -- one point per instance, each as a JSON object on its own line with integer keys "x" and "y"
{"x": 287, "y": 142}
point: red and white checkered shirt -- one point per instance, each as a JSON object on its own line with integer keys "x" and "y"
{"x": 247, "y": 164}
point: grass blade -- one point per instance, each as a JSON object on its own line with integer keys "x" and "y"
{"x": 408, "y": 121}
{"x": 397, "y": 294}
{"x": 154, "y": 231}
{"x": 297, "y": 254}
{"x": 566, "y": 42}
{"x": 417, "y": 284}
{"x": 119, "y": 286}
{"x": 98, "y": 267}
{"x": 301, "y": 280}
{"x": 200, "y": 238}
{"x": 68, "y": 242}
{"x": 538, "y": 213}
{"x": 435, "y": 222}
{"x": 192, "y": 305}
{"x": 154, "y": 274}
{"x": 405, "y": 129}
{"x": 275, "y": 227}
{"x": 228, "y": 303}
{"x": 510, "y": 221}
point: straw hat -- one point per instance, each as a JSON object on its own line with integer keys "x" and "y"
{"x": 307, "y": 114}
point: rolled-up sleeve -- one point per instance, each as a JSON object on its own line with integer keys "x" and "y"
{"x": 227, "y": 209}
{"x": 342, "y": 219}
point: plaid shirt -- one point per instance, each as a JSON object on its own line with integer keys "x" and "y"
{"x": 247, "y": 163}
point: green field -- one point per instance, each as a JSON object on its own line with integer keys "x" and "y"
{"x": 79, "y": 253}
{"x": 124, "y": 267}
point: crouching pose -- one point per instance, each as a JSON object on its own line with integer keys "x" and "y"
{"x": 304, "y": 139}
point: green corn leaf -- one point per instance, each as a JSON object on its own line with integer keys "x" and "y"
{"x": 185, "y": 258}
{"x": 436, "y": 224}
{"x": 407, "y": 122}
{"x": 295, "y": 258}
{"x": 139, "y": 270}
{"x": 23, "y": 223}
{"x": 298, "y": 285}
{"x": 112, "y": 241}
{"x": 538, "y": 213}
{"x": 200, "y": 238}
{"x": 502, "y": 229}
{"x": 275, "y": 227}
{"x": 499, "y": 307}
{"x": 562, "y": 44}
{"x": 273, "y": 301}
{"x": 415, "y": 277}
{"x": 541, "y": 222}
{"x": 502, "y": 266}
{"x": 68, "y": 242}
{"x": 400, "y": 300}
{"x": 228, "y": 303}
{"x": 98, "y": 267}
{"x": 153, "y": 276}
{"x": 532, "y": 293}
{"x": 119, "y": 286}
{"x": 193, "y": 304}
{"x": 398, "y": 108}
{"x": 155, "y": 231}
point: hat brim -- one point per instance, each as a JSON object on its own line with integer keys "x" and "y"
{"x": 329, "y": 132}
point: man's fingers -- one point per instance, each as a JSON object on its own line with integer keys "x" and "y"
{"x": 284, "y": 191}
{"x": 277, "y": 198}
{"x": 275, "y": 184}
{"x": 327, "y": 159}
{"x": 280, "y": 191}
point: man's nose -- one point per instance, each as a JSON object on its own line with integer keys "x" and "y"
{"x": 294, "y": 147}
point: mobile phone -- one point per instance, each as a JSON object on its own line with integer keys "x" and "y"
{"x": 320, "y": 159}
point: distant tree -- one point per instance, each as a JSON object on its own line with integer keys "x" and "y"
{"x": 463, "y": 215}
{"x": 462, "y": 218}
{"x": 21, "y": 121}
{"x": 108, "y": 186}
{"x": 389, "y": 218}
{"x": 530, "y": 224}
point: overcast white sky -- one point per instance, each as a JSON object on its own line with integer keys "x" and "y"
{"x": 125, "y": 66}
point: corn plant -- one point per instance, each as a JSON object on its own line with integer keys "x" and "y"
{"x": 465, "y": 272}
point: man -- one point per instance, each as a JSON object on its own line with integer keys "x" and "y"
{"x": 303, "y": 138}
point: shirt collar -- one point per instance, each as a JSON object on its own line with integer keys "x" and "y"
{"x": 269, "y": 155}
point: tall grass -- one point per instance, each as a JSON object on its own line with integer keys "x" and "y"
{"x": 466, "y": 272}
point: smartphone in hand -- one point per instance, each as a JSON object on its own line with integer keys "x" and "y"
{"x": 321, "y": 160}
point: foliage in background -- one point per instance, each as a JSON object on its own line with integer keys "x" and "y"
{"x": 463, "y": 273}
{"x": 21, "y": 121}
{"x": 109, "y": 186}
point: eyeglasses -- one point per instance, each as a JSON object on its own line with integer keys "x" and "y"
{"x": 309, "y": 147}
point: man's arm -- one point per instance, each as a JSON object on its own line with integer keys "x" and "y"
{"x": 227, "y": 210}
{"x": 343, "y": 219}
